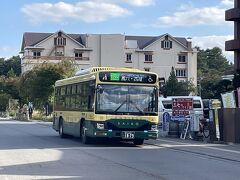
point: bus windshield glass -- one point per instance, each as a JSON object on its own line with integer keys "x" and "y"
{"x": 121, "y": 99}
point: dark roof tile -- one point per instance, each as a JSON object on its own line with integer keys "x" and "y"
{"x": 31, "y": 38}
{"x": 144, "y": 41}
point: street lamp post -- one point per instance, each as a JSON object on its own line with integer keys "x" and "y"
{"x": 199, "y": 86}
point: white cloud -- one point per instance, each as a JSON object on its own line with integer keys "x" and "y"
{"x": 194, "y": 16}
{"x": 130, "y": 2}
{"x": 87, "y": 11}
{"x": 187, "y": 15}
{"x": 228, "y": 3}
{"x": 140, "y": 2}
{"x": 205, "y": 42}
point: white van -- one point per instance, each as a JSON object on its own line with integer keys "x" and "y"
{"x": 165, "y": 105}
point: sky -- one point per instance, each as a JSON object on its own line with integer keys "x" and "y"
{"x": 202, "y": 20}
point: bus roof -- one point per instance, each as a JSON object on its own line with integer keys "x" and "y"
{"x": 98, "y": 69}
{"x": 90, "y": 72}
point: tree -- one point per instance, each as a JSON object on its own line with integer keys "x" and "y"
{"x": 212, "y": 65}
{"x": 4, "y": 98}
{"x": 175, "y": 88}
{"x": 37, "y": 85}
{"x": 172, "y": 84}
{"x": 12, "y": 65}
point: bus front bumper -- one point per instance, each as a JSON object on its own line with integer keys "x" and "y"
{"x": 126, "y": 135}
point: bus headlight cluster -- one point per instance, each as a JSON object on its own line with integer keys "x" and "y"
{"x": 154, "y": 127}
{"x": 100, "y": 126}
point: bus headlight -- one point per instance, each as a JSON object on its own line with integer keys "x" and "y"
{"x": 100, "y": 126}
{"x": 154, "y": 127}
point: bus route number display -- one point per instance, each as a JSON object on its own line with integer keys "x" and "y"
{"x": 127, "y": 77}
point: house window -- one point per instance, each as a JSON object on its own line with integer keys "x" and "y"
{"x": 147, "y": 69}
{"x": 148, "y": 57}
{"x": 128, "y": 57}
{"x": 166, "y": 44}
{"x": 181, "y": 72}
{"x": 36, "y": 54}
{"x": 182, "y": 58}
{"x": 78, "y": 55}
{"x": 60, "y": 41}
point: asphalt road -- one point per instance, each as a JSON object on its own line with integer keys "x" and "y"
{"x": 33, "y": 150}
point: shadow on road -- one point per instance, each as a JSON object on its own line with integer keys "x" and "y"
{"x": 53, "y": 157}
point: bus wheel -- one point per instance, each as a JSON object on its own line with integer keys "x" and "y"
{"x": 138, "y": 141}
{"x": 61, "y": 133}
{"x": 85, "y": 139}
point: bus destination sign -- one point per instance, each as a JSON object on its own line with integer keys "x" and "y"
{"x": 127, "y": 77}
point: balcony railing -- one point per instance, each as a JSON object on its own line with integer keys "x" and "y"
{"x": 232, "y": 14}
{"x": 60, "y": 58}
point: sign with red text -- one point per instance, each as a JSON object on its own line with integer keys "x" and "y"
{"x": 181, "y": 106}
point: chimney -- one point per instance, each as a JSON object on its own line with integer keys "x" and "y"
{"x": 189, "y": 44}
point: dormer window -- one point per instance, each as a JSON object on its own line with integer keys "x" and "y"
{"x": 166, "y": 43}
{"x": 60, "y": 41}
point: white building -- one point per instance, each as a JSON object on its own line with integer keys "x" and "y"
{"x": 150, "y": 53}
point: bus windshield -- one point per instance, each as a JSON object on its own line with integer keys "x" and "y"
{"x": 121, "y": 99}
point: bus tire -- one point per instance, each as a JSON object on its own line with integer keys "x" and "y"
{"x": 60, "y": 130}
{"x": 85, "y": 139}
{"x": 138, "y": 141}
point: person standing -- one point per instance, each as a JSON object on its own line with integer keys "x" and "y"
{"x": 30, "y": 112}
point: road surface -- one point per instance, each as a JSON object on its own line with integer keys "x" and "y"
{"x": 33, "y": 150}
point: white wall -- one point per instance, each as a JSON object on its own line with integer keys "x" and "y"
{"x": 112, "y": 50}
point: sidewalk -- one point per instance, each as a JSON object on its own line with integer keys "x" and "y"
{"x": 212, "y": 150}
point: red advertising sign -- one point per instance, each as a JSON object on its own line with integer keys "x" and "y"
{"x": 238, "y": 92}
{"x": 182, "y": 106}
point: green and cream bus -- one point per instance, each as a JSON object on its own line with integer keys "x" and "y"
{"x": 107, "y": 102}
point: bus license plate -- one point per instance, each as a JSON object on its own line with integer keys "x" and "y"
{"x": 128, "y": 135}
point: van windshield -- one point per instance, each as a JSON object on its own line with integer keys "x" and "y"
{"x": 167, "y": 104}
{"x": 197, "y": 104}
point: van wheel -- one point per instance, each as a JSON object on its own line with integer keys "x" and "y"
{"x": 60, "y": 130}
{"x": 85, "y": 139}
{"x": 138, "y": 141}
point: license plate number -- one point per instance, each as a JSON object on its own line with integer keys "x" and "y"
{"x": 128, "y": 135}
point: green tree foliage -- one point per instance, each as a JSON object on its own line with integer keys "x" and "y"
{"x": 172, "y": 84}
{"x": 11, "y": 65}
{"x": 212, "y": 65}
{"x": 175, "y": 88}
{"x": 4, "y": 98}
{"x": 37, "y": 85}
{"x": 9, "y": 85}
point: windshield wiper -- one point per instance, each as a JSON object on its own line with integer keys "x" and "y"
{"x": 120, "y": 105}
{"x": 137, "y": 107}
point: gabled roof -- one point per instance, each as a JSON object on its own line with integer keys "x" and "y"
{"x": 144, "y": 41}
{"x": 32, "y": 38}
